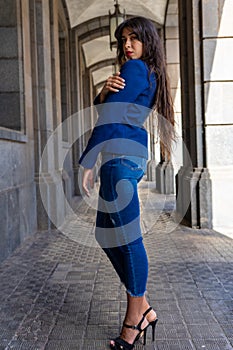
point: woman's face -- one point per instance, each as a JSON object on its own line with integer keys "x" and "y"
{"x": 132, "y": 47}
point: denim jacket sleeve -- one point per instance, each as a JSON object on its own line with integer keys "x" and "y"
{"x": 136, "y": 75}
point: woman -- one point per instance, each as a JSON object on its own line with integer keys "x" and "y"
{"x": 123, "y": 105}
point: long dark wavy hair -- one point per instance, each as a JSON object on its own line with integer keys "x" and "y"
{"x": 153, "y": 55}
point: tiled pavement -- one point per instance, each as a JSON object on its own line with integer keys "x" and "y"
{"x": 57, "y": 293}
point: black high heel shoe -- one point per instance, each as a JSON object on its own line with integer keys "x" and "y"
{"x": 144, "y": 330}
{"x": 121, "y": 344}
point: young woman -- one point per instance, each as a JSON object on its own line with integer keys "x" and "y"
{"x": 123, "y": 105}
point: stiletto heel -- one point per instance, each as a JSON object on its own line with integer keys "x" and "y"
{"x": 153, "y": 324}
{"x": 144, "y": 330}
{"x": 144, "y": 338}
{"x": 121, "y": 344}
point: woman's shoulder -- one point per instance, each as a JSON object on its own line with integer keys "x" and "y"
{"x": 137, "y": 69}
{"x": 135, "y": 64}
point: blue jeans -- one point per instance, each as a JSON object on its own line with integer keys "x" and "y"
{"x": 118, "y": 221}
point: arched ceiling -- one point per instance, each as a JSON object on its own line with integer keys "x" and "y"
{"x": 83, "y": 10}
{"x": 98, "y": 50}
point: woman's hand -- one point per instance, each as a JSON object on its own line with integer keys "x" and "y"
{"x": 88, "y": 180}
{"x": 114, "y": 83}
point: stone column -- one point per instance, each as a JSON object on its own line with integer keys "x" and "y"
{"x": 78, "y": 107}
{"x": 153, "y": 151}
{"x": 217, "y": 44}
{"x": 193, "y": 182}
{"x": 75, "y": 106}
{"x": 173, "y": 67}
{"x": 48, "y": 179}
{"x": 165, "y": 180}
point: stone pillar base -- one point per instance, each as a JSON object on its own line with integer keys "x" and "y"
{"x": 194, "y": 197}
{"x": 67, "y": 185}
{"x": 150, "y": 171}
{"x": 51, "y": 201}
{"x": 165, "y": 177}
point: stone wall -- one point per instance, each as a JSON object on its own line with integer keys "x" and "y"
{"x": 35, "y": 99}
{"x": 17, "y": 195}
{"x": 17, "y": 187}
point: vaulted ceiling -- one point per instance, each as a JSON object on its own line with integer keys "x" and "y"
{"x": 96, "y": 50}
{"x": 83, "y": 10}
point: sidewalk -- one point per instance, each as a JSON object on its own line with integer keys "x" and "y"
{"x": 56, "y": 293}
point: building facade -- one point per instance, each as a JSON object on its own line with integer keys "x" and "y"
{"x": 54, "y": 58}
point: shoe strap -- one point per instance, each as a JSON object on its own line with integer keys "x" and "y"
{"x": 147, "y": 311}
{"x": 135, "y": 327}
{"x": 138, "y": 326}
{"x": 121, "y": 344}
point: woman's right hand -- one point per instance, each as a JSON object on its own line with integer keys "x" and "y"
{"x": 114, "y": 83}
{"x": 88, "y": 181}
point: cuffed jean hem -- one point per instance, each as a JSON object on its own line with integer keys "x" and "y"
{"x": 134, "y": 295}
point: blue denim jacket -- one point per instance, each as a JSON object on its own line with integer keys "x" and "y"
{"x": 119, "y": 128}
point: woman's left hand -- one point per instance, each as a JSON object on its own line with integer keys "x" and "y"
{"x": 88, "y": 180}
{"x": 114, "y": 83}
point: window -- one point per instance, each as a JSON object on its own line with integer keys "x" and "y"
{"x": 11, "y": 67}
